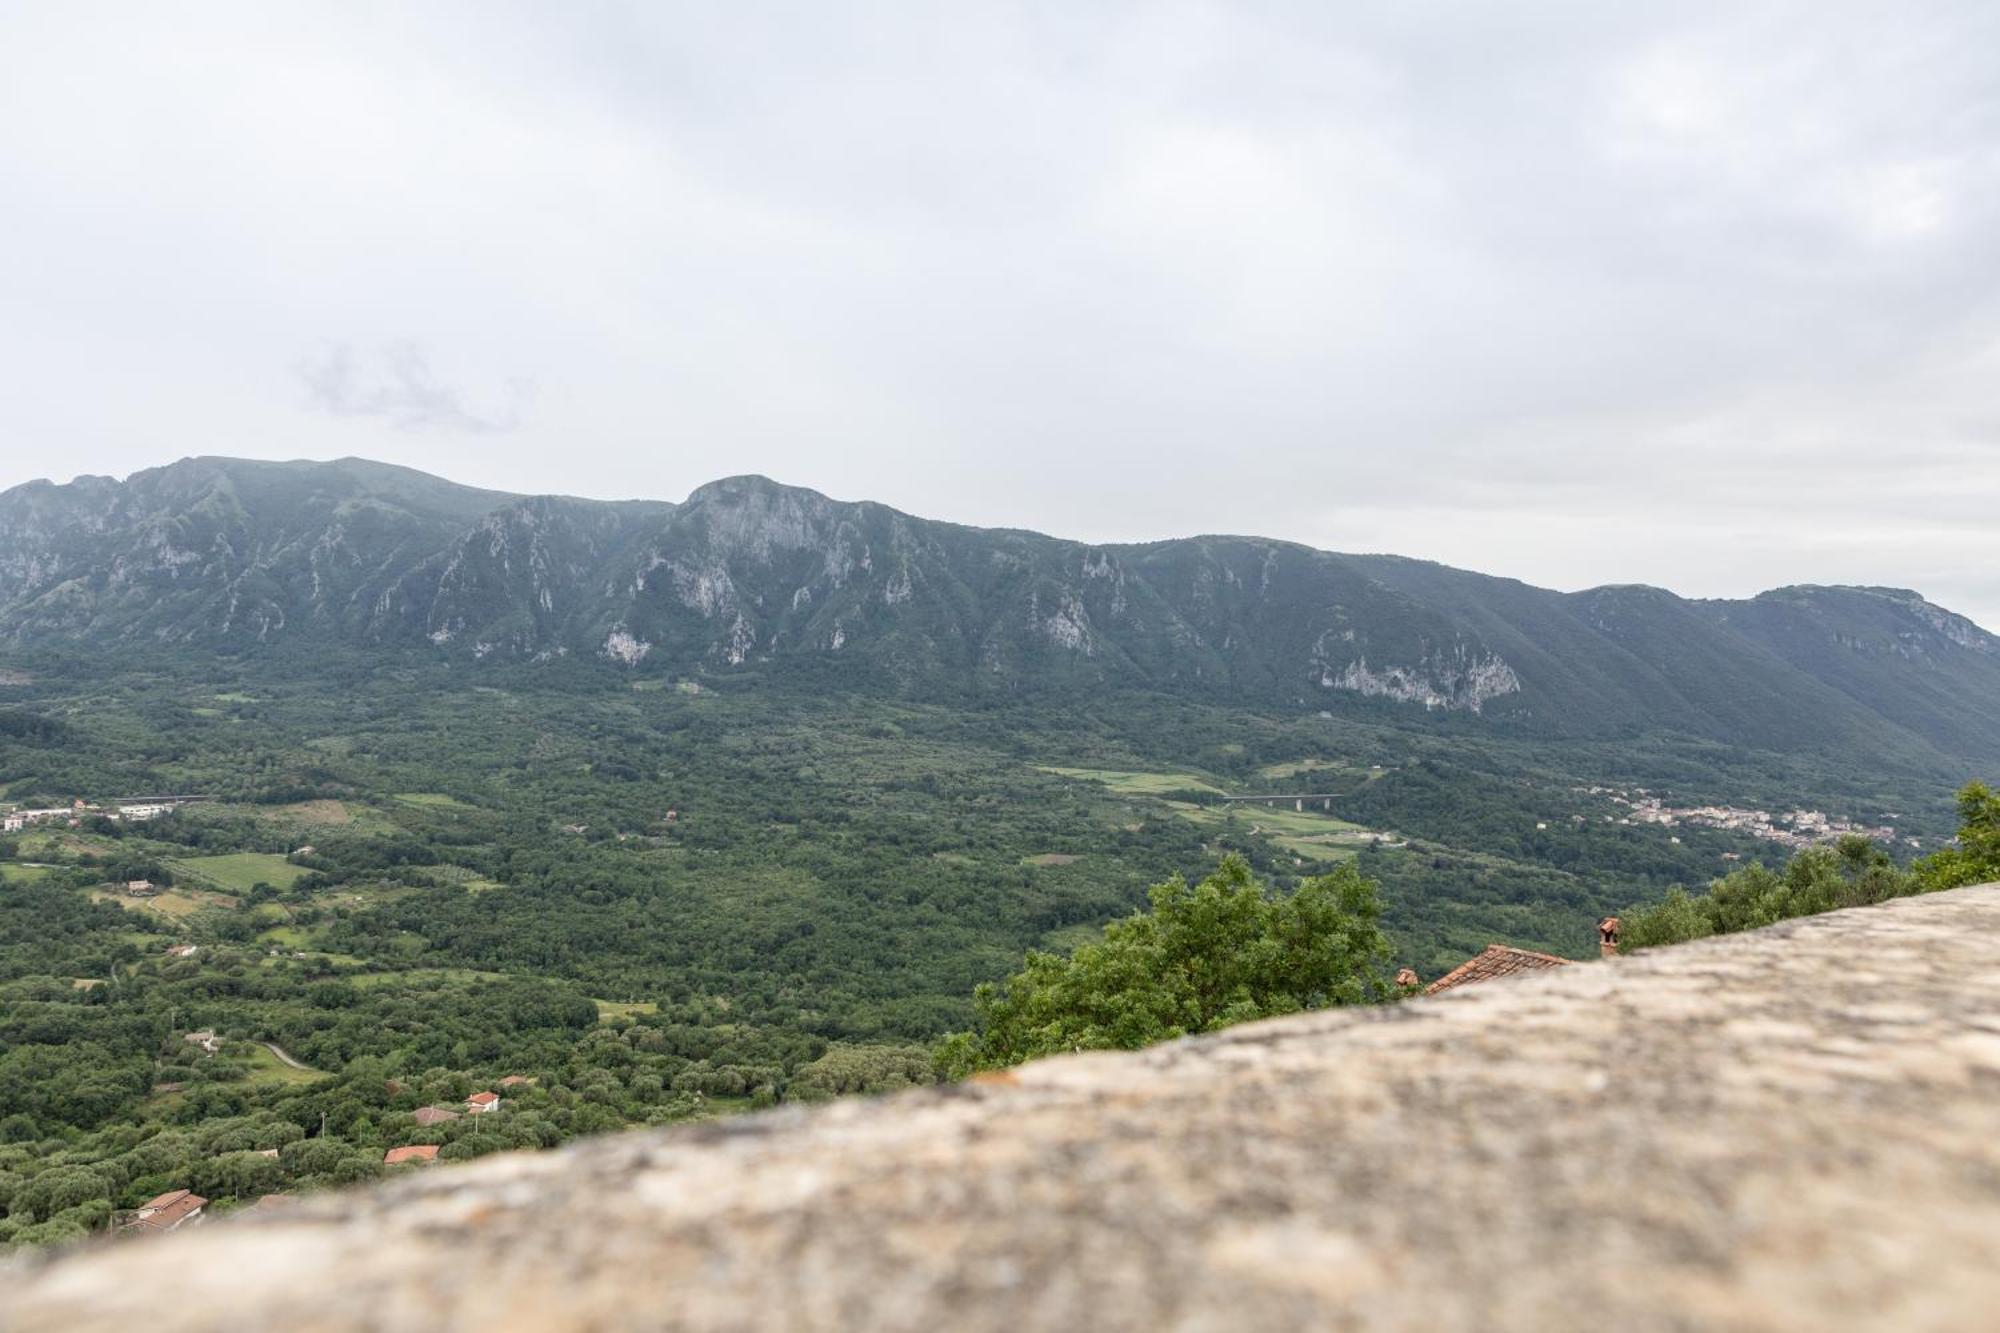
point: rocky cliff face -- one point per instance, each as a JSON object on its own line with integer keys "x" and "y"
{"x": 1789, "y": 1129}
{"x": 750, "y": 575}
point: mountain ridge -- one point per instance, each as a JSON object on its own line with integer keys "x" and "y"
{"x": 748, "y": 574}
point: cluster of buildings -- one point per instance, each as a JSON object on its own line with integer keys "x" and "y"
{"x": 479, "y": 1103}
{"x": 178, "y": 1208}
{"x": 132, "y": 811}
{"x": 1796, "y": 828}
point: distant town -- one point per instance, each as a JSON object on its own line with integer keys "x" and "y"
{"x": 1796, "y": 828}
{"x": 131, "y": 810}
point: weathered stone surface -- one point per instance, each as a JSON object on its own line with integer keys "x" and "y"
{"x": 1794, "y": 1129}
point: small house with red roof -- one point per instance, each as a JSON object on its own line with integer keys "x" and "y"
{"x": 419, "y": 1153}
{"x": 479, "y": 1103}
{"x": 167, "y": 1212}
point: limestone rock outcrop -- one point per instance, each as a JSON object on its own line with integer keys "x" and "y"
{"x": 1797, "y": 1128}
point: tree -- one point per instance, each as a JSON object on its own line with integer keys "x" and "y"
{"x": 1975, "y": 858}
{"x": 1852, "y": 873}
{"x": 1207, "y": 955}
{"x": 849, "y": 1070}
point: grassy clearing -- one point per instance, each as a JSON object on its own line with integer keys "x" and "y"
{"x": 268, "y": 1068}
{"x": 50, "y": 845}
{"x": 1284, "y": 819}
{"x": 1129, "y": 783}
{"x": 610, "y": 1010}
{"x": 239, "y": 872}
{"x": 234, "y": 697}
{"x": 1308, "y": 835}
{"x": 1297, "y": 766}
{"x": 433, "y": 800}
{"x": 174, "y": 905}
{"x": 1050, "y": 859}
{"x": 14, "y": 873}
{"x": 463, "y": 877}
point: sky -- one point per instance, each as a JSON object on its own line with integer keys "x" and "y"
{"x": 1699, "y": 295}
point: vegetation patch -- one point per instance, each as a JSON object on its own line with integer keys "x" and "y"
{"x": 266, "y": 1067}
{"x": 1051, "y": 859}
{"x": 1130, "y": 783}
{"x": 612, "y": 1010}
{"x": 315, "y": 813}
{"x": 433, "y": 800}
{"x": 239, "y": 872}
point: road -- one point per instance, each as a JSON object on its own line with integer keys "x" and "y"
{"x": 286, "y": 1056}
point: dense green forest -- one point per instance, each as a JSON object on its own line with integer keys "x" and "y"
{"x": 648, "y": 900}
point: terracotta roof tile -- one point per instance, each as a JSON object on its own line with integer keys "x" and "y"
{"x": 416, "y": 1152}
{"x": 168, "y": 1211}
{"x": 1498, "y": 960}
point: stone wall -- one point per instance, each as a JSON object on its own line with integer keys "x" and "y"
{"x": 1793, "y": 1129}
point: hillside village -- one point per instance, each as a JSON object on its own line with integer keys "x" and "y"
{"x": 1794, "y": 829}
{"x": 131, "y": 810}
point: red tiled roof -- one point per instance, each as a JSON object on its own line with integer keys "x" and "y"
{"x": 1498, "y": 960}
{"x": 434, "y": 1115}
{"x": 416, "y": 1152}
{"x": 168, "y": 1211}
{"x": 514, "y": 1081}
{"x": 482, "y": 1099}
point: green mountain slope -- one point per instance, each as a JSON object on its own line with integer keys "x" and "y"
{"x": 750, "y": 576}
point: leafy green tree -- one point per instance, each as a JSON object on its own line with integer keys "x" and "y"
{"x": 1852, "y": 873}
{"x": 849, "y": 1070}
{"x": 1207, "y": 955}
{"x": 1975, "y": 859}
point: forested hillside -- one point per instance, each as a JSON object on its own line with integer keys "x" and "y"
{"x": 748, "y": 577}
{"x": 659, "y": 811}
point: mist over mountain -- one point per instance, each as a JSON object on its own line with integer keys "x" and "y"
{"x": 748, "y": 575}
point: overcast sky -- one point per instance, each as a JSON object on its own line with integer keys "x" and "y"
{"x": 1708, "y": 299}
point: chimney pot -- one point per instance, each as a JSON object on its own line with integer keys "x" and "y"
{"x": 1607, "y": 937}
{"x": 1407, "y": 978}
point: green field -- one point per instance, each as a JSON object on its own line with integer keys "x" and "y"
{"x": 239, "y": 872}
{"x": 267, "y": 1068}
{"x": 1129, "y": 783}
{"x": 173, "y": 904}
{"x": 14, "y": 873}
{"x": 607, "y": 1010}
{"x": 1307, "y": 835}
{"x": 433, "y": 800}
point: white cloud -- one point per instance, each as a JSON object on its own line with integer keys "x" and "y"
{"x": 1706, "y": 295}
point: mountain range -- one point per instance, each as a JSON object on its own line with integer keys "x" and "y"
{"x": 745, "y": 575}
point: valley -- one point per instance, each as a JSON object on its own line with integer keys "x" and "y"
{"x": 695, "y": 875}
